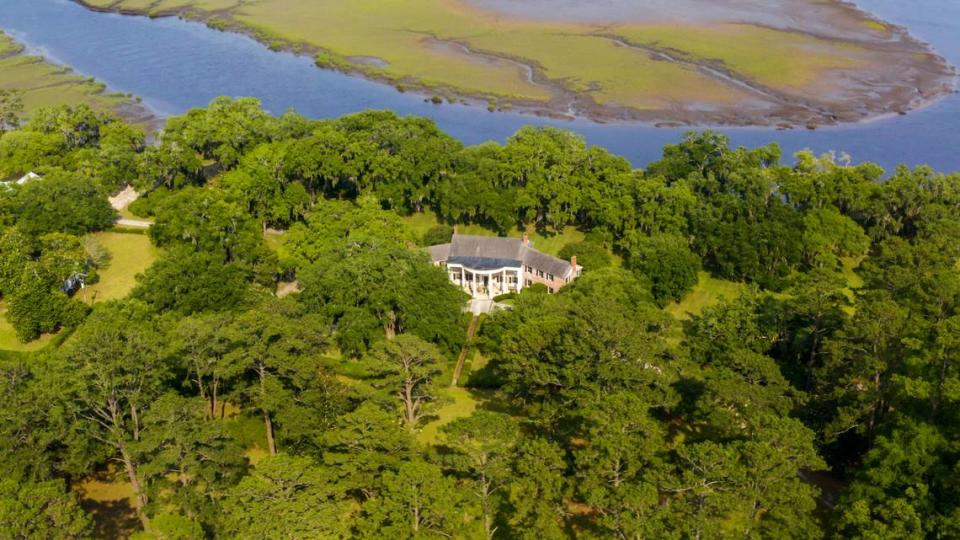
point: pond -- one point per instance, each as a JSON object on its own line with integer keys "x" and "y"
{"x": 176, "y": 65}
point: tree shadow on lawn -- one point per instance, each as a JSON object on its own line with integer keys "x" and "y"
{"x": 107, "y": 501}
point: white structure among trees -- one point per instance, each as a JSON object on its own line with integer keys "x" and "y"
{"x": 488, "y": 266}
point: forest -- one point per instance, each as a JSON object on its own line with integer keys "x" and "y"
{"x": 273, "y": 372}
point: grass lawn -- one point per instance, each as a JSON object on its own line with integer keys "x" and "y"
{"x": 464, "y": 402}
{"x": 131, "y": 254}
{"x": 708, "y": 292}
{"x": 125, "y": 213}
{"x": 108, "y": 497}
{"x": 274, "y": 238}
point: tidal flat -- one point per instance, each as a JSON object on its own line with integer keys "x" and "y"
{"x": 777, "y": 63}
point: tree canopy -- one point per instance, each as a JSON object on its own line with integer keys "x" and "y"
{"x": 284, "y": 368}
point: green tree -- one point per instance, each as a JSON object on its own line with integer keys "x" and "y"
{"x": 409, "y": 368}
{"x": 483, "y": 445}
{"x": 16, "y": 250}
{"x": 188, "y": 281}
{"x": 168, "y": 526}
{"x": 589, "y": 255}
{"x": 667, "y": 261}
{"x": 362, "y": 445}
{"x": 829, "y": 235}
{"x": 62, "y": 202}
{"x": 285, "y": 496}
{"x": 38, "y": 305}
{"x": 371, "y": 293}
{"x": 225, "y": 130}
{"x": 569, "y": 350}
{"x": 536, "y": 492}
{"x": 265, "y": 182}
{"x": 115, "y": 371}
{"x": 618, "y": 466}
{"x": 205, "y": 221}
{"x": 907, "y": 488}
{"x": 416, "y": 501}
{"x": 273, "y": 348}
{"x": 41, "y": 510}
{"x": 186, "y": 459}
{"x": 11, "y": 110}
{"x": 170, "y": 165}
{"x": 438, "y": 234}
{"x": 78, "y": 126}
{"x": 749, "y": 487}
{"x": 201, "y": 343}
{"x": 39, "y": 438}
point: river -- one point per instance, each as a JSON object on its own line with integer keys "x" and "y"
{"x": 176, "y": 65}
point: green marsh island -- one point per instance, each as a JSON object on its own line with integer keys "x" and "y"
{"x": 781, "y": 63}
{"x": 35, "y": 83}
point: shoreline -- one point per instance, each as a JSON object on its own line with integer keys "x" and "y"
{"x": 128, "y": 107}
{"x": 789, "y": 111}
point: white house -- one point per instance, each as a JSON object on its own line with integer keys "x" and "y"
{"x": 488, "y": 266}
{"x": 20, "y": 181}
{"x": 27, "y": 177}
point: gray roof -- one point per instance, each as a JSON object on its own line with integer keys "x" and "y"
{"x": 492, "y": 252}
{"x": 439, "y": 252}
{"x": 488, "y": 247}
{"x": 548, "y": 263}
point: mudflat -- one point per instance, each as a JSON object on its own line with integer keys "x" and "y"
{"x": 677, "y": 62}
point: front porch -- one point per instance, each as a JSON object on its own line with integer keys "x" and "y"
{"x": 486, "y": 284}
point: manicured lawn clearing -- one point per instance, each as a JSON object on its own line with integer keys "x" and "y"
{"x": 109, "y": 498}
{"x": 464, "y": 402}
{"x": 274, "y": 238}
{"x": 708, "y": 292}
{"x": 131, "y": 254}
{"x": 125, "y": 213}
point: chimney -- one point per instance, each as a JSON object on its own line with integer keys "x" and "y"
{"x": 456, "y": 229}
{"x": 573, "y": 265}
{"x": 526, "y": 239}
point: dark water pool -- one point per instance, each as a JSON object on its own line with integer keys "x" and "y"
{"x": 175, "y": 65}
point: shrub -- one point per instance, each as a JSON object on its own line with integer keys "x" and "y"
{"x": 667, "y": 261}
{"x": 438, "y": 234}
{"x": 589, "y": 255}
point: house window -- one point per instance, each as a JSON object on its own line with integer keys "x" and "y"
{"x": 529, "y": 269}
{"x": 539, "y": 273}
{"x": 550, "y": 289}
{"x": 550, "y": 277}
